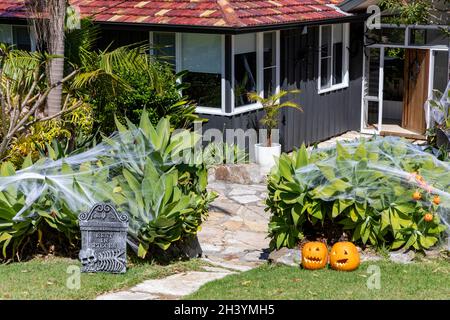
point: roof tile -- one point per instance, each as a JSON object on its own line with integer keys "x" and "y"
{"x": 222, "y": 13}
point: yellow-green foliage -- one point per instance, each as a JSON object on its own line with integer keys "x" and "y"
{"x": 79, "y": 121}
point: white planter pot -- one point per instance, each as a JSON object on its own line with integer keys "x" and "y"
{"x": 265, "y": 156}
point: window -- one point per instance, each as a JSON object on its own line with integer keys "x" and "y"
{"x": 333, "y": 57}
{"x": 256, "y": 67}
{"x": 270, "y": 64}
{"x": 19, "y": 36}
{"x": 163, "y": 46}
{"x": 245, "y": 68}
{"x": 254, "y": 59}
{"x": 201, "y": 55}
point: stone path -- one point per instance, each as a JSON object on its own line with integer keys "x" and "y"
{"x": 236, "y": 229}
{"x": 233, "y": 239}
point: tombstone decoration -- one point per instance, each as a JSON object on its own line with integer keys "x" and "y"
{"x": 103, "y": 240}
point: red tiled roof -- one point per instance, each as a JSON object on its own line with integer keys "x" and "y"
{"x": 212, "y": 13}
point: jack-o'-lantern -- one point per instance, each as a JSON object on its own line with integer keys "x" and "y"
{"x": 344, "y": 256}
{"x": 314, "y": 255}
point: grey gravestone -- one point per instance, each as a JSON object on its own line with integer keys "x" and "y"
{"x": 103, "y": 240}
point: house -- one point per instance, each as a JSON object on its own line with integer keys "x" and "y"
{"x": 232, "y": 47}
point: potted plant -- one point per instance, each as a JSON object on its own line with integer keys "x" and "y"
{"x": 265, "y": 153}
{"x": 440, "y": 110}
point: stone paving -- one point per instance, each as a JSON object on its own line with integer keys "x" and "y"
{"x": 236, "y": 229}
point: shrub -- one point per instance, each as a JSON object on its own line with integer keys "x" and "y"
{"x": 137, "y": 170}
{"x": 365, "y": 189}
{"x": 162, "y": 100}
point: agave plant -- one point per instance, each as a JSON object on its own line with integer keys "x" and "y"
{"x": 366, "y": 188}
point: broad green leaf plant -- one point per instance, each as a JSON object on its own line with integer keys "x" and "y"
{"x": 385, "y": 192}
{"x": 142, "y": 170}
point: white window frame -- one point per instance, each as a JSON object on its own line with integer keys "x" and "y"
{"x": 345, "y": 63}
{"x": 178, "y": 60}
{"x": 259, "y": 72}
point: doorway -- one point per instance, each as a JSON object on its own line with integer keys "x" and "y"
{"x": 396, "y": 87}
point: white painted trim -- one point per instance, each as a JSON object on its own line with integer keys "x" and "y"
{"x": 334, "y": 88}
{"x": 246, "y": 108}
{"x": 430, "y": 87}
{"x": 437, "y": 48}
{"x": 206, "y": 110}
{"x": 346, "y": 59}
{"x": 278, "y": 62}
{"x": 380, "y": 91}
{"x": 233, "y": 81}
{"x": 363, "y": 86}
{"x": 223, "y": 80}
{"x": 260, "y": 64}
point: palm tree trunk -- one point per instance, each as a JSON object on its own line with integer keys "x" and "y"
{"x": 57, "y": 15}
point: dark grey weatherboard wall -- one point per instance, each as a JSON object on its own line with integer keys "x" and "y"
{"x": 325, "y": 115}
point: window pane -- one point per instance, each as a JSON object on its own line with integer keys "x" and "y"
{"x": 428, "y": 37}
{"x": 325, "y": 63}
{"x": 202, "y": 53}
{"x": 245, "y": 76}
{"x": 326, "y": 41}
{"x": 441, "y": 64}
{"x": 5, "y": 34}
{"x": 21, "y": 37}
{"x": 373, "y": 71}
{"x": 269, "y": 81}
{"x": 325, "y": 74}
{"x": 202, "y": 57}
{"x": 270, "y": 63}
{"x": 164, "y": 46}
{"x": 269, "y": 49}
{"x": 338, "y": 53}
{"x": 204, "y": 89}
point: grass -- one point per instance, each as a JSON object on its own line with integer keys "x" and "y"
{"x": 421, "y": 280}
{"x": 46, "y": 278}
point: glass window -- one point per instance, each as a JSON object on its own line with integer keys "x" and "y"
{"x": 333, "y": 56}
{"x": 245, "y": 68}
{"x": 5, "y": 34}
{"x": 21, "y": 38}
{"x": 325, "y": 62}
{"x": 429, "y": 37}
{"x": 202, "y": 57}
{"x": 163, "y": 47}
{"x": 270, "y": 63}
{"x": 441, "y": 65}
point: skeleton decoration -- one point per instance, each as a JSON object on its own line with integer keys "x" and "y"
{"x": 104, "y": 240}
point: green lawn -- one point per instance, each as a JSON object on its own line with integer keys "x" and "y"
{"x": 46, "y": 278}
{"x": 421, "y": 280}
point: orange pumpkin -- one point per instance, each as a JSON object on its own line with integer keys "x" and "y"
{"x": 314, "y": 255}
{"x": 437, "y": 200}
{"x": 344, "y": 256}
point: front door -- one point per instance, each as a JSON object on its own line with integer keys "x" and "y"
{"x": 416, "y": 89}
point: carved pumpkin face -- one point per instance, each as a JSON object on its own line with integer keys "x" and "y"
{"x": 314, "y": 255}
{"x": 344, "y": 256}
